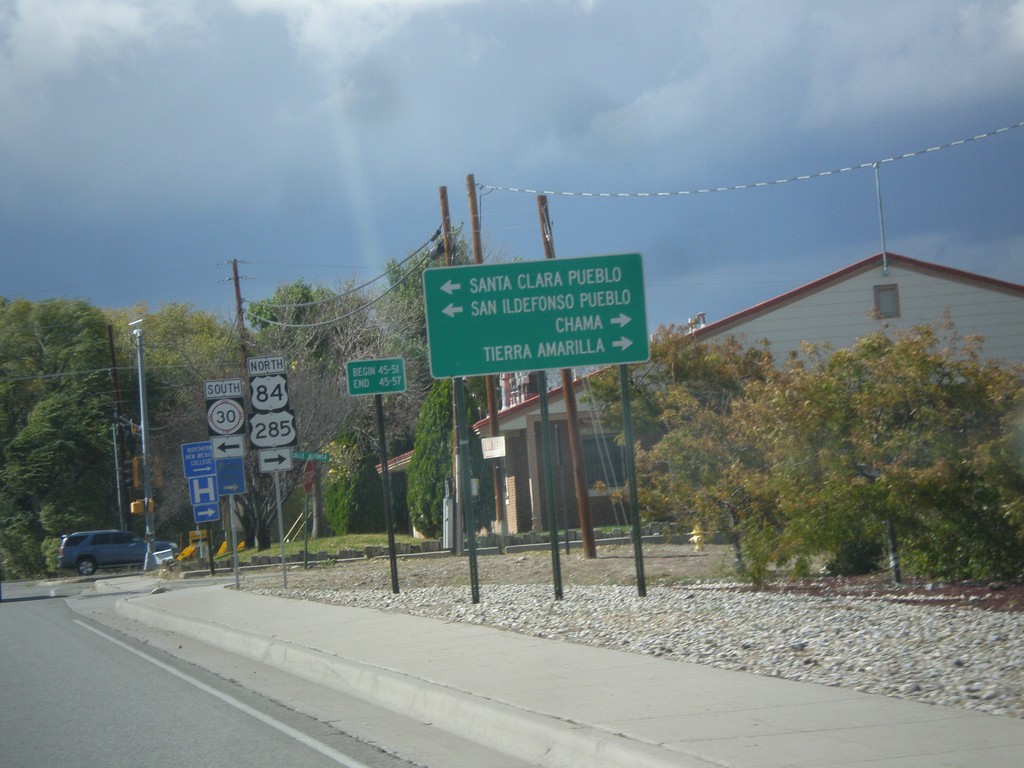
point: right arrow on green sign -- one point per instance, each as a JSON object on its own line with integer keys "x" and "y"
{"x": 536, "y": 315}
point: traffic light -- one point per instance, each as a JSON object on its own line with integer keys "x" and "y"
{"x": 138, "y": 507}
{"x": 136, "y": 472}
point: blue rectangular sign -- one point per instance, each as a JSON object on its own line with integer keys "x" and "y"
{"x": 197, "y": 458}
{"x": 206, "y": 513}
{"x": 231, "y": 476}
{"x": 203, "y": 490}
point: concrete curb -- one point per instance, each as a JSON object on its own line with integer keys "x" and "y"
{"x": 533, "y": 737}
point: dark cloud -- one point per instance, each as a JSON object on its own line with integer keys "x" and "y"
{"x": 144, "y": 145}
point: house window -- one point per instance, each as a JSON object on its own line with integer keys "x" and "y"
{"x": 887, "y": 300}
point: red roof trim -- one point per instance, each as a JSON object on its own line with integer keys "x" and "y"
{"x": 526, "y": 405}
{"x": 936, "y": 270}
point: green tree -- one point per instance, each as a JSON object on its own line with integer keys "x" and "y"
{"x": 900, "y": 440}
{"x": 702, "y": 467}
{"x": 883, "y": 440}
{"x": 354, "y": 497}
{"x": 431, "y": 465}
{"x": 56, "y": 469}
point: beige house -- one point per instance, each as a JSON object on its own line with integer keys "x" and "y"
{"x": 839, "y": 309}
{"x": 890, "y": 290}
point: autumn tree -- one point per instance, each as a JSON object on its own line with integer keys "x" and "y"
{"x": 698, "y": 466}
{"x": 904, "y": 442}
{"x": 880, "y": 448}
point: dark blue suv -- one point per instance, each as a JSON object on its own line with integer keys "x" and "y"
{"x": 86, "y": 551}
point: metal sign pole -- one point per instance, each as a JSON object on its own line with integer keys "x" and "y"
{"x": 280, "y": 529}
{"x": 377, "y": 377}
{"x": 234, "y": 541}
{"x": 305, "y": 533}
{"x": 463, "y": 456}
{"x": 388, "y": 519}
{"x": 627, "y": 423}
{"x": 209, "y": 547}
{"x": 549, "y": 477}
{"x": 147, "y": 459}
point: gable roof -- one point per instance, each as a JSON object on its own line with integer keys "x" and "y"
{"x": 872, "y": 262}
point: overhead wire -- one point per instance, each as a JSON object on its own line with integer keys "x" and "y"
{"x": 362, "y": 307}
{"x": 336, "y": 297}
{"x": 754, "y": 185}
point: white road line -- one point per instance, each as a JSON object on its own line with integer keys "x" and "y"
{"x": 287, "y": 730}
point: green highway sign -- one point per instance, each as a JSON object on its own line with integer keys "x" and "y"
{"x": 310, "y": 456}
{"x": 375, "y": 377}
{"x": 536, "y": 315}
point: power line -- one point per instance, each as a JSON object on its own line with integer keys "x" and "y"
{"x": 88, "y": 372}
{"x": 357, "y": 310}
{"x": 356, "y": 289}
{"x": 755, "y": 185}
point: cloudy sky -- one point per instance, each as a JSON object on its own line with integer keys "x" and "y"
{"x": 144, "y": 145}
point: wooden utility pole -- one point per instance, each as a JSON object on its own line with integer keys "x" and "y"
{"x": 457, "y": 510}
{"x": 571, "y": 412}
{"x": 492, "y": 404}
{"x": 240, "y": 327}
{"x": 239, "y": 317}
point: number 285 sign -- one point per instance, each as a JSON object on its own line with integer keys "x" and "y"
{"x": 272, "y": 430}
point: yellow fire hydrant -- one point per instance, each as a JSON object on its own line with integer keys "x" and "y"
{"x": 697, "y": 538}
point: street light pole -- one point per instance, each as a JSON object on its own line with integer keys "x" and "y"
{"x": 147, "y": 466}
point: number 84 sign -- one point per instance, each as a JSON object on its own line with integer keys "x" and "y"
{"x": 269, "y": 393}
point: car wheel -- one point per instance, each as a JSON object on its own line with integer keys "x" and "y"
{"x": 86, "y": 566}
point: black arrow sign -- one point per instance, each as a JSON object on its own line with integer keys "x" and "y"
{"x": 225, "y": 447}
{"x": 278, "y": 459}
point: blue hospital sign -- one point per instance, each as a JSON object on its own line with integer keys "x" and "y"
{"x": 203, "y": 490}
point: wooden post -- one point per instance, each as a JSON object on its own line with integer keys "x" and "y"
{"x": 457, "y": 508}
{"x": 571, "y": 412}
{"x": 492, "y": 400}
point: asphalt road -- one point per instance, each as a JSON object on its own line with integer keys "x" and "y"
{"x": 81, "y": 686}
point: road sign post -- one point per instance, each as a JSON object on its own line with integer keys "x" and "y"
{"x": 535, "y": 315}
{"x": 272, "y": 428}
{"x": 225, "y": 414}
{"x": 378, "y": 377}
{"x": 197, "y": 459}
{"x": 311, "y": 456}
{"x": 201, "y": 474}
{"x": 231, "y": 476}
{"x": 375, "y": 377}
{"x": 272, "y": 423}
{"x": 225, "y": 420}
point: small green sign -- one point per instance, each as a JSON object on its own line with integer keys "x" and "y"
{"x": 536, "y": 315}
{"x": 310, "y": 456}
{"x": 375, "y": 377}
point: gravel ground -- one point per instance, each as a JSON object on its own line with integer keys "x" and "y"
{"x": 950, "y": 644}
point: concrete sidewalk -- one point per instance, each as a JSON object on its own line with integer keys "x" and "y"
{"x": 559, "y": 704}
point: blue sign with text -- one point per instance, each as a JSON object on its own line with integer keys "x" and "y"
{"x": 197, "y": 458}
{"x": 231, "y": 476}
